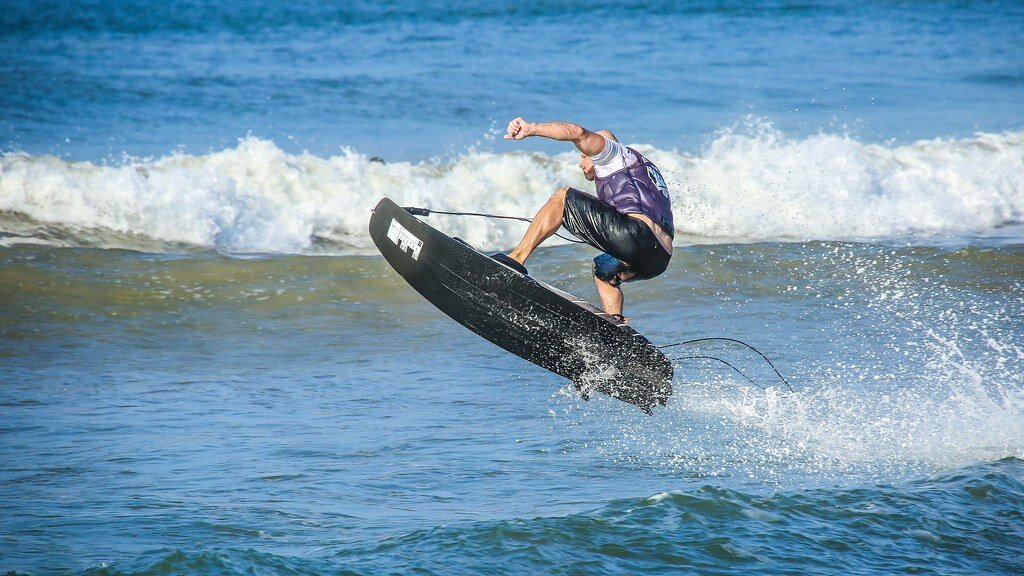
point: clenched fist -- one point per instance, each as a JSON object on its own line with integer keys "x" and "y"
{"x": 518, "y": 129}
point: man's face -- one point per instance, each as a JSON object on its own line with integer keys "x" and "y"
{"x": 587, "y": 166}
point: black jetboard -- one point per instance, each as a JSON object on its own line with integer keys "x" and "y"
{"x": 544, "y": 325}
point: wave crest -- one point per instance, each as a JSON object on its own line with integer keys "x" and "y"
{"x": 748, "y": 184}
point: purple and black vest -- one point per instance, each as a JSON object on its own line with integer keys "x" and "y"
{"x": 638, "y": 189}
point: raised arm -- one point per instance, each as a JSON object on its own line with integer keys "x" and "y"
{"x": 588, "y": 142}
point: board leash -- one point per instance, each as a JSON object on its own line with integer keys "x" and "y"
{"x": 415, "y": 211}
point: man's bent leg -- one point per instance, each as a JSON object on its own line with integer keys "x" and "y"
{"x": 611, "y": 294}
{"x": 544, "y": 225}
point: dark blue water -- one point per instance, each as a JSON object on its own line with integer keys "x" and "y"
{"x": 403, "y": 80}
{"x": 708, "y": 531}
{"x": 205, "y": 368}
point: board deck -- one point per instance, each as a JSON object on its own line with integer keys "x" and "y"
{"x": 536, "y": 322}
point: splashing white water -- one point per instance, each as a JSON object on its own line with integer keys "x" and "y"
{"x": 749, "y": 185}
{"x": 714, "y": 428}
{"x": 930, "y": 378}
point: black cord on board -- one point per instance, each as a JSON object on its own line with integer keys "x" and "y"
{"x": 761, "y": 354}
{"x": 738, "y": 371}
{"x": 427, "y": 212}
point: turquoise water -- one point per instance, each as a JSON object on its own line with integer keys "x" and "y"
{"x": 206, "y": 368}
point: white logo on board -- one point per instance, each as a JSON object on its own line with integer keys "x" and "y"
{"x": 404, "y": 239}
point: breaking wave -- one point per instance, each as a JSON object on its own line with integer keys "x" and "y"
{"x": 751, "y": 183}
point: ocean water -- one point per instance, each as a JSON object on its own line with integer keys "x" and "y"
{"x": 206, "y": 368}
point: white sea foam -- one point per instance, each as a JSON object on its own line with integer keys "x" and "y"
{"x": 938, "y": 385}
{"x": 829, "y": 432}
{"x": 752, "y": 184}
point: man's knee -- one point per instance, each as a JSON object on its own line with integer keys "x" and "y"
{"x": 611, "y": 270}
{"x": 557, "y": 200}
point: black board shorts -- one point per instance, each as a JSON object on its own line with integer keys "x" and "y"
{"x": 629, "y": 242}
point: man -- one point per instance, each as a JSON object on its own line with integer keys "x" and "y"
{"x": 630, "y": 220}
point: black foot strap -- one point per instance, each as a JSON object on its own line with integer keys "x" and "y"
{"x": 510, "y": 262}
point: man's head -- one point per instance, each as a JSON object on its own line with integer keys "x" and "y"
{"x": 586, "y": 165}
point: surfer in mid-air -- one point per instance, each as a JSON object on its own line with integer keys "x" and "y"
{"x": 629, "y": 221}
